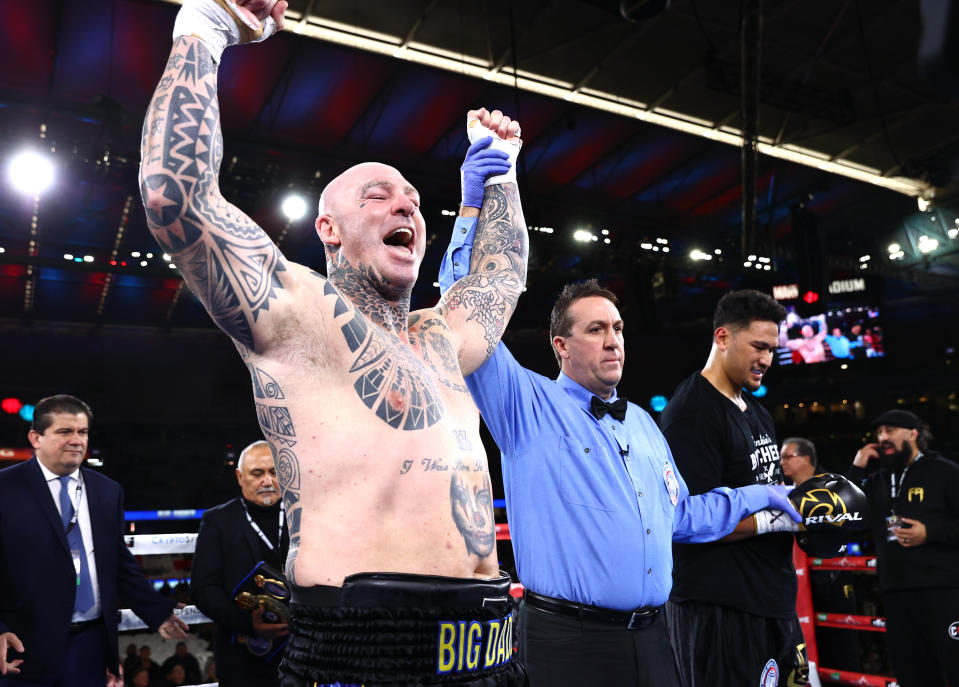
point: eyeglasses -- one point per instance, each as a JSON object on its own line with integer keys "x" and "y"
{"x": 791, "y": 455}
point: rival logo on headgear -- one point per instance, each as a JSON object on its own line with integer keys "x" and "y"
{"x": 825, "y": 506}
{"x": 830, "y": 501}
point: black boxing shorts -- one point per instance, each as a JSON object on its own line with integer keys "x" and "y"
{"x": 403, "y": 630}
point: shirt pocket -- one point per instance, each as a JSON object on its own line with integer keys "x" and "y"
{"x": 663, "y": 474}
{"x": 585, "y": 477}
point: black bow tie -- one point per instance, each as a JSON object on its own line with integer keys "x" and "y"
{"x": 617, "y": 409}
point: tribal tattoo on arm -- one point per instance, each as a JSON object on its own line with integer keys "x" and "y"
{"x": 228, "y": 261}
{"x": 277, "y": 427}
{"x": 488, "y": 294}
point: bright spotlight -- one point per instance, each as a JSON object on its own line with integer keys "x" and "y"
{"x": 31, "y": 172}
{"x": 953, "y": 233}
{"x": 582, "y": 235}
{"x": 696, "y": 254}
{"x": 894, "y": 247}
{"x": 927, "y": 245}
{"x": 294, "y": 207}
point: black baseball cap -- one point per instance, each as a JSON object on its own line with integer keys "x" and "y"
{"x": 898, "y": 418}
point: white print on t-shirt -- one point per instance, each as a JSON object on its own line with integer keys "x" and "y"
{"x": 765, "y": 459}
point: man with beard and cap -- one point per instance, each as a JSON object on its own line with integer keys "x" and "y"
{"x": 914, "y": 497}
{"x": 233, "y": 538}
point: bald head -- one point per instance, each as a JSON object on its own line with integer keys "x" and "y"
{"x": 351, "y": 183}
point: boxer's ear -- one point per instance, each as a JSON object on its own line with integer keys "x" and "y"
{"x": 722, "y": 337}
{"x": 327, "y": 231}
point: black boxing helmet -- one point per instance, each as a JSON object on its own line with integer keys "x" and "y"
{"x": 823, "y": 543}
{"x": 831, "y": 503}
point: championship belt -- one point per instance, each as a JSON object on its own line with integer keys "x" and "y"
{"x": 264, "y": 587}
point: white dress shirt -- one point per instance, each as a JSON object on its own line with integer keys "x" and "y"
{"x": 86, "y": 530}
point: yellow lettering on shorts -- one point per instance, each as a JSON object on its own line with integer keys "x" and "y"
{"x": 474, "y": 644}
{"x": 501, "y": 653}
{"x": 461, "y": 636}
{"x": 445, "y": 653}
{"x": 491, "y": 642}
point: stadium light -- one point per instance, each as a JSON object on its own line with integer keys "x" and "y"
{"x": 31, "y": 172}
{"x": 294, "y": 207}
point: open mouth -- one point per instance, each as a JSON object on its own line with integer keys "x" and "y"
{"x": 401, "y": 237}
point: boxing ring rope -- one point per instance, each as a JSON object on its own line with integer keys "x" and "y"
{"x": 809, "y": 617}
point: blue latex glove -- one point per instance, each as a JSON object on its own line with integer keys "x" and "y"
{"x": 481, "y": 163}
{"x": 778, "y": 495}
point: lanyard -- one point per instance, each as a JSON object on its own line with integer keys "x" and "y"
{"x": 256, "y": 528}
{"x": 895, "y": 489}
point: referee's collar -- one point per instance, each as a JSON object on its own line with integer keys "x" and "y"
{"x": 578, "y": 392}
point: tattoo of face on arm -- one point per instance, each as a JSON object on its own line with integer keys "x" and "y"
{"x": 472, "y": 508}
{"x": 437, "y": 350}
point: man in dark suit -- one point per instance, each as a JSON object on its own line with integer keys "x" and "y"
{"x": 63, "y": 561}
{"x": 233, "y": 538}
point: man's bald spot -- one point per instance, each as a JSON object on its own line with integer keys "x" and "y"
{"x": 256, "y": 448}
{"x": 373, "y": 171}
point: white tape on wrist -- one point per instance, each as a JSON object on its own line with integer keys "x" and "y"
{"x": 772, "y": 520}
{"x": 219, "y": 23}
{"x": 476, "y": 131}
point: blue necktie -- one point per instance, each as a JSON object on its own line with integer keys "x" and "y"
{"x": 84, "y": 598}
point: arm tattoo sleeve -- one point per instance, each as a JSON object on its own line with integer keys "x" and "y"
{"x": 227, "y": 260}
{"x": 277, "y": 427}
{"x": 498, "y": 265}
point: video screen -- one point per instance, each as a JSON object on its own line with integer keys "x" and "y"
{"x": 841, "y": 333}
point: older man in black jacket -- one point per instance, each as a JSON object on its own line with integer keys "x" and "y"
{"x": 233, "y": 538}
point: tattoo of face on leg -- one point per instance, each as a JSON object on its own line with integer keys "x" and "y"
{"x": 472, "y": 508}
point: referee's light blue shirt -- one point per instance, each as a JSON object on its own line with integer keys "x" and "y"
{"x": 593, "y": 505}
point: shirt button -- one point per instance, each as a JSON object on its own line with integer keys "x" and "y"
{"x": 647, "y": 531}
{"x": 462, "y": 231}
{"x": 456, "y": 264}
{"x": 649, "y": 572}
{"x": 586, "y": 450}
{"x": 639, "y": 493}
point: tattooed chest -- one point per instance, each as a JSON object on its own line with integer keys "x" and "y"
{"x": 434, "y": 348}
{"x": 396, "y": 386}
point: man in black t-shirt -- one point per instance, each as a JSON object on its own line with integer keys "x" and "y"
{"x": 732, "y": 610}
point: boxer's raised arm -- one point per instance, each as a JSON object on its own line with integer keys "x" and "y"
{"x": 479, "y": 305}
{"x": 226, "y": 259}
